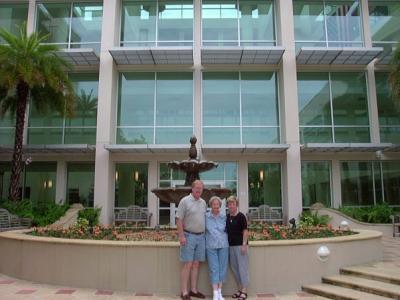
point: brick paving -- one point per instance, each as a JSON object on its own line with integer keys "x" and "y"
{"x": 15, "y": 289}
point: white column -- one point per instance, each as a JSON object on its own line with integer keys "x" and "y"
{"x": 336, "y": 184}
{"x": 152, "y": 198}
{"x": 243, "y": 190}
{"x": 108, "y": 75}
{"x": 61, "y": 182}
{"x": 292, "y": 199}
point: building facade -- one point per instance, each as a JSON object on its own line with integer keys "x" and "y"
{"x": 290, "y": 98}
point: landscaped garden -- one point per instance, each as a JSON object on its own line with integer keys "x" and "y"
{"x": 378, "y": 214}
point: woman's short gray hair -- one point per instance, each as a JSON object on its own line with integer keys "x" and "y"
{"x": 213, "y": 198}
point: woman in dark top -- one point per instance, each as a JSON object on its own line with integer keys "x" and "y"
{"x": 236, "y": 227}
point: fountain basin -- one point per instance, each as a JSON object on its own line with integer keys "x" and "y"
{"x": 174, "y": 195}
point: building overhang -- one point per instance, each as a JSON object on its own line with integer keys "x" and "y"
{"x": 393, "y": 148}
{"x": 79, "y": 57}
{"x": 337, "y": 56}
{"x": 182, "y": 55}
{"x": 50, "y": 149}
{"x": 244, "y": 148}
{"x": 385, "y": 57}
{"x": 344, "y": 147}
{"x": 242, "y": 55}
{"x": 147, "y": 148}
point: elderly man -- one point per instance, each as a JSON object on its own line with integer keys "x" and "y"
{"x": 190, "y": 220}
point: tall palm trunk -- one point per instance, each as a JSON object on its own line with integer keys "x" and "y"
{"x": 22, "y": 95}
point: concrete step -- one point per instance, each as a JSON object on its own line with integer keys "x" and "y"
{"x": 365, "y": 285}
{"x": 378, "y": 272}
{"x": 339, "y": 293}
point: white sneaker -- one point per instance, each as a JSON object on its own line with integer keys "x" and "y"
{"x": 216, "y": 295}
{"x": 220, "y": 295}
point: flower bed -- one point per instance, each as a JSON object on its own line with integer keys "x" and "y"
{"x": 257, "y": 232}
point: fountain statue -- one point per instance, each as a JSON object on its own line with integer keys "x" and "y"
{"x": 192, "y": 167}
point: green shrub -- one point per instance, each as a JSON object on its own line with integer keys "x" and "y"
{"x": 308, "y": 219}
{"x": 41, "y": 213}
{"x": 91, "y": 214}
{"x": 372, "y": 214}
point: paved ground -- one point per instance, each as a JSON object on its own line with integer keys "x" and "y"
{"x": 14, "y": 289}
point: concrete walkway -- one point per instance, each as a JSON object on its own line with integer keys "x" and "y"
{"x": 13, "y": 289}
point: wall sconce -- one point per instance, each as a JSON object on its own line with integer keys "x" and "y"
{"x": 136, "y": 176}
{"x": 261, "y": 175}
{"x": 323, "y": 253}
{"x": 116, "y": 175}
{"x": 50, "y": 184}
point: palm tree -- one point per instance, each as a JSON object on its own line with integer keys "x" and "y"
{"x": 86, "y": 105}
{"x": 394, "y": 76}
{"x": 30, "y": 71}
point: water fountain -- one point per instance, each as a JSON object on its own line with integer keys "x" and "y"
{"x": 192, "y": 167}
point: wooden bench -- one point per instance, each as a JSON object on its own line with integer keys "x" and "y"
{"x": 132, "y": 214}
{"x": 9, "y": 221}
{"x": 264, "y": 213}
{"x": 396, "y": 225}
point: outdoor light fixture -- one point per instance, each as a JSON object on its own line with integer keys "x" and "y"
{"x": 28, "y": 160}
{"x": 261, "y": 175}
{"x": 344, "y": 225}
{"x": 50, "y": 184}
{"x": 116, "y": 175}
{"x": 136, "y": 176}
{"x": 323, "y": 253}
{"x": 292, "y": 222}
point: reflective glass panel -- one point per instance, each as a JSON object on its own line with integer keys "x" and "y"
{"x": 131, "y": 184}
{"x": 384, "y": 20}
{"x": 139, "y": 23}
{"x": 5, "y": 176}
{"x": 53, "y": 19}
{"x": 12, "y": 16}
{"x": 316, "y": 182}
{"x": 86, "y": 23}
{"x": 389, "y": 112}
{"x": 264, "y": 184}
{"x": 256, "y": 20}
{"x": 352, "y": 134}
{"x": 316, "y": 134}
{"x": 391, "y": 182}
{"x": 220, "y": 22}
{"x": 80, "y": 183}
{"x": 40, "y": 182}
{"x": 357, "y": 183}
{"x": 175, "y": 22}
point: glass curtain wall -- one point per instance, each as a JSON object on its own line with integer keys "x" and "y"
{"x": 384, "y": 22}
{"x": 265, "y": 185}
{"x": 240, "y": 108}
{"x": 51, "y": 128}
{"x": 370, "y": 183}
{"x": 238, "y": 23}
{"x": 40, "y": 182}
{"x": 131, "y": 184}
{"x": 316, "y": 182}
{"x": 155, "y": 108}
{"x": 388, "y": 110}
{"x": 12, "y": 16}
{"x": 333, "y": 107}
{"x": 327, "y": 23}
{"x": 157, "y": 23}
{"x": 71, "y": 25}
{"x": 80, "y": 183}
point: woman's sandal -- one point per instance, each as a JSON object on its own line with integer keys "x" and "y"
{"x": 239, "y": 295}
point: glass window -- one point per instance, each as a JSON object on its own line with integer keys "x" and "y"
{"x": 389, "y": 112}
{"x": 7, "y": 129}
{"x": 80, "y": 183}
{"x": 329, "y": 23}
{"x": 333, "y": 107}
{"x": 71, "y": 25}
{"x": 357, "y": 180}
{"x": 40, "y": 182}
{"x": 131, "y": 184}
{"x": 157, "y": 23}
{"x": 51, "y": 128}
{"x": 391, "y": 182}
{"x": 384, "y": 22}
{"x": 264, "y": 184}
{"x": 240, "y": 108}
{"x": 316, "y": 182}
{"x": 12, "y": 16}
{"x": 256, "y": 19}
{"x": 5, "y": 177}
{"x": 235, "y": 23}
{"x": 155, "y": 108}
